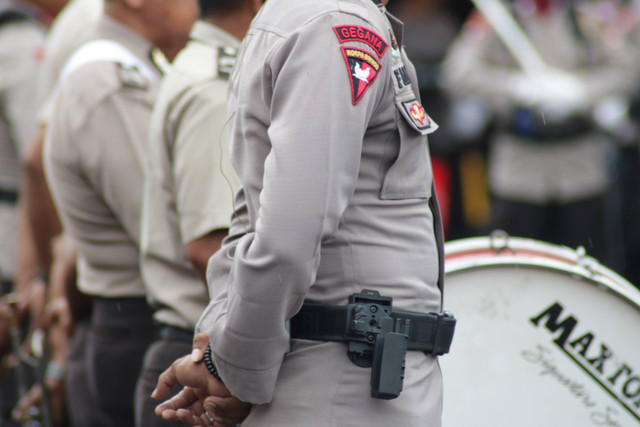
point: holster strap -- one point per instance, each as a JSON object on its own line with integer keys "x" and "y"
{"x": 428, "y": 332}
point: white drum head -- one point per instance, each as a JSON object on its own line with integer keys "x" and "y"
{"x": 545, "y": 337}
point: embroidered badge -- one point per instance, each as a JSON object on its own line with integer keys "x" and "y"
{"x": 363, "y": 70}
{"x": 132, "y": 77}
{"x": 349, "y": 33}
{"x": 417, "y": 114}
{"x": 226, "y": 61}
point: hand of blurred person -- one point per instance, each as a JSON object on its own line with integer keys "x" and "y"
{"x": 555, "y": 93}
{"x": 26, "y": 406}
{"x": 202, "y": 392}
{"x": 7, "y": 316}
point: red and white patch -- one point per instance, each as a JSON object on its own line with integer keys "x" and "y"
{"x": 350, "y": 33}
{"x": 363, "y": 70}
{"x": 417, "y": 116}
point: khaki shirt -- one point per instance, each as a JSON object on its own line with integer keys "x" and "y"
{"x": 526, "y": 169}
{"x": 329, "y": 142}
{"x": 21, "y": 48}
{"x": 189, "y": 180}
{"x": 94, "y": 154}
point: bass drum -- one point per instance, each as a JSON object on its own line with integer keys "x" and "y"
{"x": 546, "y": 336}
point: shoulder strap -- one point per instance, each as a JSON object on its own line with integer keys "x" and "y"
{"x": 105, "y": 50}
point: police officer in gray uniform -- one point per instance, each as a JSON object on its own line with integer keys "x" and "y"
{"x": 189, "y": 186}
{"x": 337, "y": 221}
{"x": 94, "y": 155}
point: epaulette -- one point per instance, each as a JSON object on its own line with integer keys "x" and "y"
{"x": 132, "y": 77}
{"x": 226, "y": 61}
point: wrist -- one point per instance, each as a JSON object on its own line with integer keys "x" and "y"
{"x": 208, "y": 362}
{"x": 55, "y": 370}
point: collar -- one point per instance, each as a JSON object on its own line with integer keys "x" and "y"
{"x": 210, "y": 34}
{"x": 109, "y": 28}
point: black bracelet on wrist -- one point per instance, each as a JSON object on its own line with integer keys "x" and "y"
{"x": 208, "y": 362}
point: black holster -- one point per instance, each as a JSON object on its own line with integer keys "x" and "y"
{"x": 377, "y": 336}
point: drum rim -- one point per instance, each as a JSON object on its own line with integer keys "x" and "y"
{"x": 478, "y": 252}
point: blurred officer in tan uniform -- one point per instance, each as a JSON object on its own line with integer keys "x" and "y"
{"x": 189, "y": 186}
{"x": 328, "y": 137}
{"x": 65, "y": 377}
{"x": 548, "y": 162}
{"x": 21, "y": 52}
{"x": 94, "y": 155}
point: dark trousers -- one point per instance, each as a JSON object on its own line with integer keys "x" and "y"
{"x": 172, "y": 345}
{"x": 81, "y": 404}
{"x": 121, "y": 331}
{"x": 580, "y": 223}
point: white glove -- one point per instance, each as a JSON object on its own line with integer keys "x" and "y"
{"x": 555, "y": 93}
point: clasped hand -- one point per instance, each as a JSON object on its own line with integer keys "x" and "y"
{"x": 203, "y": 401}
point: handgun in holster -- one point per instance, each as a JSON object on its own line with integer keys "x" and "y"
{"x": 377, "y": 336}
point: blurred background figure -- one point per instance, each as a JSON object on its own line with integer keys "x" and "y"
{"x": 45, "y": 287}
{"x": 22, "y": 33}
{"x": 189, "y": 187}
{"x": 94, "y": 151}
{"x": 551, "y": 152}
{"x": 430, "y": 28}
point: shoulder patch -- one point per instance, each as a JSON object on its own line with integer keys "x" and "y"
{"x": 131, "y": 76}
{"x": 363, "y": 70}
{"x": 414, "y": 113}
{"x": 350, "y": 33}
{"x": 226, "y": 61}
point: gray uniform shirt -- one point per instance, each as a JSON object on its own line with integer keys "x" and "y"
{"x": 329, "y": 142}
{"x": 94, "y": 154}
{"x": 189, "y": 180}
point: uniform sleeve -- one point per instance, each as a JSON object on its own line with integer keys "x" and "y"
{"x": 310, "y": 174}
{"x": 204, "y": 179}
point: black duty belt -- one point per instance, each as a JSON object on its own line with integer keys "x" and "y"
{"x": 173, "y": 333}
{"x": 377, "y": 335}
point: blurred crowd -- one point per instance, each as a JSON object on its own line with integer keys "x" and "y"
{"x": 541, "y": 140}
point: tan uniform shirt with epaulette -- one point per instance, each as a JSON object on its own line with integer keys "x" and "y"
{"x": 94, "y": 153}
{"x": 21, "y": 49}
{"x": 189, "y": 180}
{"x": 329, "y": 140}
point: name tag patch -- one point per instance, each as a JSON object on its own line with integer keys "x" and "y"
{"x": 350, "y": 33}
{"x": 417, "y": 117}
{"x": 363, "y": 70}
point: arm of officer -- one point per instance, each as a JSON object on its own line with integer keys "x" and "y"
{"x": 200, "y": 250}
{"x": 205, "y": 181}
{"x": 309, "y": 177}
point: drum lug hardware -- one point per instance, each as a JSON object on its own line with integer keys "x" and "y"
{"x": 499, "y": 241}
{"x": 585, "y": 261}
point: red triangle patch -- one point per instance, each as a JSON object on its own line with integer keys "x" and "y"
{"x": 363, "y": 70}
